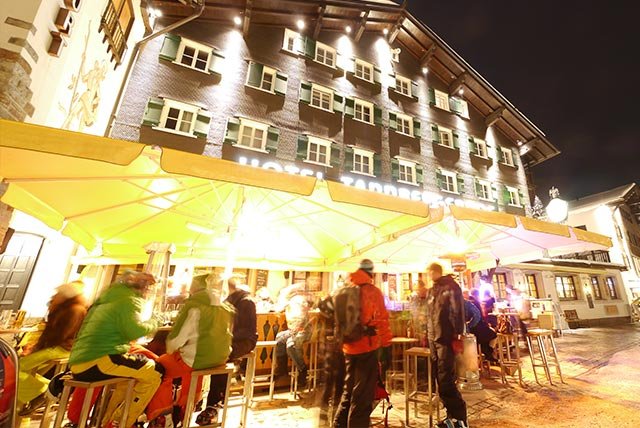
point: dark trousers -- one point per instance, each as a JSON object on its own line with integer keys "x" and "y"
{"x": 219, "y": 382}
{"x": 334, "y": 374}
{"x": 359, "y": 391}
{"x": 443, "y": 366}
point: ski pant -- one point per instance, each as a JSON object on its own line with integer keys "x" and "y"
{"x": 218, "y": 384}
{"x": 291, "y": 343}
{"x": 359, "y": 391}
{"x": 443, "y": 371}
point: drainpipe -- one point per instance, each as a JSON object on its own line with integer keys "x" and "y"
{"x": 136, "y": 51}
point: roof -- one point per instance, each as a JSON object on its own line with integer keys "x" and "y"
{"x": 620, "y": 193}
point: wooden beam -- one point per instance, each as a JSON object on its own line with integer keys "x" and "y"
{"x": 457, "y": 84}
{"x": 247, "y": 18}
{"x": 526, "y": 147}
{"x": 398, "y": 26}
{"x": 316, "y": 31}
{"x": 494, "y": 116}
{"x": 361, "y": 26}
{"x": 428, "y": 55}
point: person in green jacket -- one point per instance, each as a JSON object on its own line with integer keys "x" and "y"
{"x": 101, "y": 350}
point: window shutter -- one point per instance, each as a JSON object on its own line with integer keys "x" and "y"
{"x": 439, "y": 178}
{"x": 455, "y": 105}
{"x": 515, "y": 159}
{"x": 203, "y": 120}
{"x": 303, "y": 147}
{"x": 254, "y": 76}
{"x": 473, "y": 147}
{"x": 460, "y": 179}
{"x": 419, "y": 174}
{"x": 432, "y": 97}
{"x": 494, "y": 192}
{"x": 416, "y": 128}
{"x": 395, "y": 169}
{"x": 309, "y": 47}
{"x": 305, "y": 92}
{"x": 456, "y": 141}
{"x": 377, "y": 165}
{"x": 393, "y": 121}
{"x": 349, "y": 107}
{"x": 170, "y": 45}
{"x": 233, "y": 130}
{"x": 377, "y": 76}
{"x": 273, "y": 135}
{"x": 394, "y": 82}
{"x": 478, "y": 187}
{"x": 348, "y": 159}
{"x": 435, "y": 134}
{"x": 499, "y": 154}
{"x": 377, "y": 115}
{"x": 216, "y": 62}
{"x": 414, "y": 91}
{"x": 521, "y": 196}
{"x": 152, "y": 112}
{"x": 506, "y": 196}
{"x": 335, "y": 156}
{"x": 280, "y": 87}
{"x": 338, "y": 103}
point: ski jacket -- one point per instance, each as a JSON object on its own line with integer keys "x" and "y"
{"x": 445, "y": 311}
{"x": 245, "y": 321}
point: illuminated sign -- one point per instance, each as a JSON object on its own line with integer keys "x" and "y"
{"x": 291, "y": 169}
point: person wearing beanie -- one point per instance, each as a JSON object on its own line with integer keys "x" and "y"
{"x": 361, "y": 356}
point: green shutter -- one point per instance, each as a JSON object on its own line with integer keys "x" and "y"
{"x": 254, "y": 75}
{"x": 273, "y": 135}
{"x": 377, "y": 165}
{"x": 494, "y": 192}
{"x": 395, "y": 169}
{"x": 280, "y": 87}
{"x": 338, "y": 103}
{"x": 499, "y": 155}
{"x": 349, "y": 107}
{"x": 153, "y": 111}
{"x": 473, "y": 147}
{"x": 233, "y": 130}
{"x": 456, "y": 141}
{"x": 455, "y": 105}
{"x": 521, "y": 196}
{"x": 203, "y": 120}
{"x": 432, "y": 97}
{"x": 419, "y": 174}
{"x": 303, "y": 147}
{"x": 416, "y": 128}
{"x": 335, "y": 156}
{"x": 515, "y": 159}
{"x": 393, "y": 121}
{"x": 506, "y": 196}
{"x": 414, "y": 91}
{"x": 170, "y": 45}
{"x": 377, "y": 76}
{"x": 478, "y": 187}
{"x": 377, "y": 115}
{"x": 348, "y": 159}
{"x": 394, "y": 82}
{"x": 460, "y": 179}
{"x": 216, "y": 62}
{"x": 435, "y": 134}
{"x": 439, "y": 178}
{"x": 309, "y": 46}
{"x": 305, "y": 92}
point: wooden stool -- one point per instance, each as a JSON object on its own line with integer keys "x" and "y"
{"x": 411, "y": 392}
{"x": 60, "y": 366}
{"x": 543, "y": 358}
{"x": 246, "y": 389}
{"x": 312, "y": 369}
{"x": 226, "y": 369}
{"x": 271, "y": 379}
{"x": 397, "y": 370}
{"x": 506, "y": 358}
{"x": 86, "y": 404}
{"x": 483, "y": 364}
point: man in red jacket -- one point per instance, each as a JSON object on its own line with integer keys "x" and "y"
{"x": 361, "y": 356}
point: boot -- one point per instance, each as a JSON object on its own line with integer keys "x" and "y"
{"x": 302, "y": 379}
{"x": 281, "y": 366}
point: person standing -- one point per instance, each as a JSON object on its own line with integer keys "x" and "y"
{"x": 418, "y": 305}
{"x": 361, "y": 355}
{"x": 445, "y": 327}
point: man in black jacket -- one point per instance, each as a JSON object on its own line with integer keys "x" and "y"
{"x": 445, "y": 326}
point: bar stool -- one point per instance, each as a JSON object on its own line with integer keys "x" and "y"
{"x": 311, "y": 351}
{"x": 86, "y": 404}
{"x": 226, "y": 369}
{"x": 411, "y": 392}
{"x": 270, "y": 378}
{"x": 543, "y": 358}
{"x": 397, "y": 369}
{"x": 507, "y": 359}
{"x": 483, "y": 364}
{"x": 59, "y": 365}
{"x": 246, "y": 390}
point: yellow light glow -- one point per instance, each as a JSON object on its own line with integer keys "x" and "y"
{"x": 348, "y": 29}
{"x": 300, "y": 24}
{"x": 425, "y": 70}
{"x": 237, "y": 20}
{"x": 385, "y": 31}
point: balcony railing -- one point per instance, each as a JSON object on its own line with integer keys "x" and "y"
{"x": 113, "y": 33}
{"x": 594, "y": 256}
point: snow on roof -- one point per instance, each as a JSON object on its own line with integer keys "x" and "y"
{"x": 601, "y": 198}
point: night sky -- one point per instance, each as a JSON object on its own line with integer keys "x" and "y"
{"x": 570, "y": 66}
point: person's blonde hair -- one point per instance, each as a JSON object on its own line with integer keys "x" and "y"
{"x": 435, "y": 267}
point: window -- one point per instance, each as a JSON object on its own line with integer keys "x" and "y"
{"x": 446, "y": 137}
{"x": 406, "y": 171}
{"x": 321, "y": 97}
{"x": 404, "y": 124}
{"x": 403, "y": 85}
{"x": 116, "y": 24}
{"x": 395, "y": 54}
{"x": 364, "y": 70}
{"x": 500, "y": 285}
{"x": 507, "y": 156}
{"x": 449, "y": 182}
{"x": 178, "y": 117}
{"x": 595, "y": 287}
{"x": 363, "y": 111}
{"x": 442, "y": 100}
{"x": 483, "y": 190}
{"x": 513, "y": 197}
{"x": 611, "y": 287}
{"x": 190, "y": 54}
{"x": 532, "y": 286}
{"x": 319, "y": 151}
{"x": 479, "y": 148}
{"x": 362, "y": 161}
{"x": 193, "y": 55}
{"x": 566, "y": 288}
{"x": 325, "y": 55}
{"x": 292, "y": 41}
{"x": 261, "y": 77}
{"x": 253, "y": 135}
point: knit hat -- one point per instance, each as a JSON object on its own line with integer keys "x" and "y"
{"x": 70, "y": 290}
{"x": 367, "y": 266}
{"x": 199, "y": 282}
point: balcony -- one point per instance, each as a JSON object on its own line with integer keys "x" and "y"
{"x": 114, "y": 35}
{"x": 599, "y": 256}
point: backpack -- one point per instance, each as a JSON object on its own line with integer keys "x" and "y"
{"x": 346, "y": 309}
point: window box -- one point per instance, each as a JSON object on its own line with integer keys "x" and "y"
{"x": 177, "y": 118}
{"x": 252, "y": 135}
{"x": 266, "y": 79}
{"x": 190, "y": 54}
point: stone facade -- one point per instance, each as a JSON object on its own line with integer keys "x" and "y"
{"x": 15, "y": 95}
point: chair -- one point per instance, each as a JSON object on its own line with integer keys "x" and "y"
{"x": 226, "y": 369}
{"x": 310, "y": 350}
{"x": 246, "y": 390}
{"x": 509, "y": 361}
{"x": 397, "y": 370}
{"x": 411, "y": 392}
{"x": 59, "y": 365}
{"x": 541, "y": 358}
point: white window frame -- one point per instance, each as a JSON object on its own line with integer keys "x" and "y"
{"x": 364, "y": 65}
{"x": 507, "y": 154}
{"x": 326, "y": 49}
{"x": 446, "y": 131}
{"x": 363, "y": 153}
{"x": 247, "y": 123}
{"x": 362, "y": 104}
{"x": 406, "y": 82}
{"x": 265, "y": 71}
{"x": 514, "y": 195}
{"x": 441, "y": 99}
{"x": 395, "y": 54}
{"x": 465, "y": 109}
{"x": 454, "y": 181}
{"x": 198, "y": 47}
{"x": 182, "y": 107}
{"x": 323, "y": 91}
{"x": 295, "y": 39}
{"x": 407, "y": 165}
{"x": 486, "y": 185}
{"x": 320, "y": 142}
{"x": 400, "y": 118}
{"x": 483, "y": 144}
